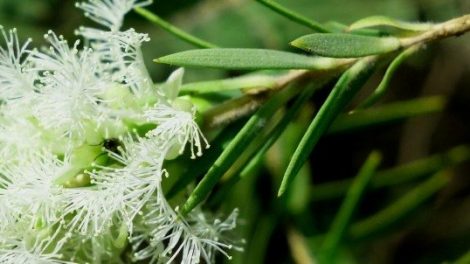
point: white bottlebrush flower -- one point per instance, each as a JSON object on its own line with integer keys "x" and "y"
{"x": 21, "y": 255}
{"x": 15, "y": 81}
{"x": 70, "y": 89}
{"x": 17, "y": 137}
{"x": 117, "y": 194}
{"x": 192, "y": 238}
{"x": 118, "y": 50}
{"x": 121, "y": 57}
{"x": 175, "y": 119}
{"x": 178, "y": 127}
{"x": 28, "y": 191}
{"x": 22, "y": 247}
{"x": 139, "y": 152}
{"x": 110, "y": 13}
{"x": 117, "y": 197}
{"x": 66, "y": 100}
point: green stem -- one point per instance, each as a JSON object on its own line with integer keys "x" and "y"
{"x": 294, "y": 16}
{"x": 385, "y": 83}
{"x": 386, "y": 113}
{"x": 174, "y": 30}
{"x": 395, "y": 212}
{"x": 346, "y": 87}
{"x": 252, "y": 128}
{"x": 402, "y": 174}
{"x": 348, "y": 207}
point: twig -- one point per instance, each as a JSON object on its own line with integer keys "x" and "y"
{"x": 451, "y": 28}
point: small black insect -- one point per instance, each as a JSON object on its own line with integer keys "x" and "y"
{"x": 112, "y": 144}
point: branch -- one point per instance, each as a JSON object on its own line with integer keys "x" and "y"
{"x": 452, "y": 28}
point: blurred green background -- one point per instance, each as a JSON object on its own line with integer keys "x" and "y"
{"x": 436, "y": 232}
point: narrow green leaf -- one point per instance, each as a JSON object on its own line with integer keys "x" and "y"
{"x": 397, "y": 175}
{"x": 359, "y": 119}
{"x": 263, "y": 230}
{"x": 348, "y": 207}
{"x": 336, "y": 27}
{"x": 399, "y": 209}
{"x": 257, "y": 157}
{"x": 384, "y": 84}
{"x": 338, "y": 45}
{"x": 376, "y": 21}
{"x": 243, "y": 82}
{"x": 246, "y": 59}
{"x": 346, "y": 87}
{"x": 197, "y": 167}
{"x": 236, "y": 146}
{"x": 294, "y": 16}
{"x": 174, "y": 30}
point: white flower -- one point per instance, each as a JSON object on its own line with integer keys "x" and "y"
{"x": 118, "y": 194}
{"x": 28, "y": 191}
{"x": 15, "y": 80}
{"x": 121, "y": 57}
{"x": 175, "y": 118}
{"x": 26, "y": 249}
{"x": 17, "y": 137}
{"x": 110, "y": 13}
{"x": 178, "y": 127}
{"x": 57, "y": 107}
{"x": 118, "y": 50}
{"x": 70, "y": 89}
{"x": 192, "y": 238}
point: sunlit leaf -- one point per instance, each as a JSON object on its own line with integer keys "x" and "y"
{"x": 236, "y": 83}
{"x": 246, "y": 59}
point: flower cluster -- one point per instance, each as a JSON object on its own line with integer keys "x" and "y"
{"x": 84, "y": 133}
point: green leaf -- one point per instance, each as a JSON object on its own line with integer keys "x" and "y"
{"x": 237, "y": 83}
{"x": 273, "y": 135}
{"x": 346, "y": 87}
{"x": 405, "y": 173}
{"x": 336, "y": 27}
{"x": 231, "y": 153}
{"x": 338, "y": 45}
{"x": 348, "y": 207}
{"x": 406, "y": 204}
{"x": 247, "y": 59}
{"x": 373, "y": 116}
{"x": 376, "y": 21}
{"x": 392, "y": 68}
